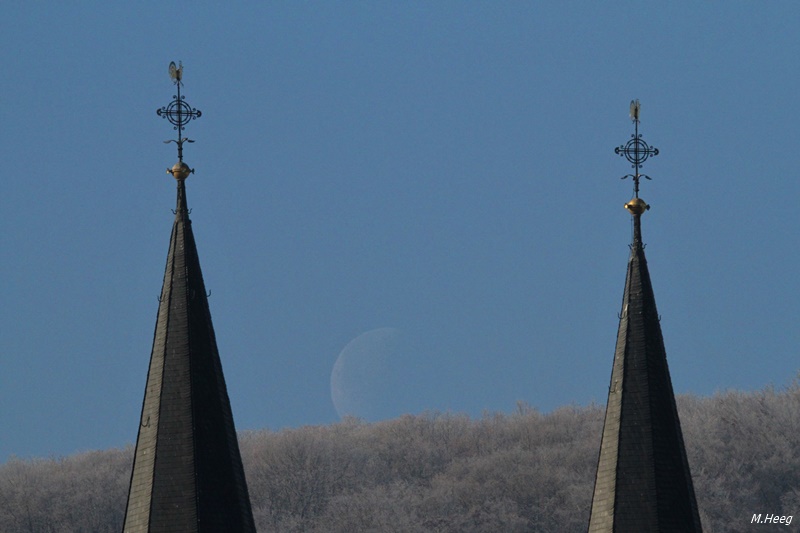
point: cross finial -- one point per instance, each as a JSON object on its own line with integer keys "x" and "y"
{"x": 179, "y": 113}
{"x": 636, "y": 151}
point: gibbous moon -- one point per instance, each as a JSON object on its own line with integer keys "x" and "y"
{"x": 363, "y": 377}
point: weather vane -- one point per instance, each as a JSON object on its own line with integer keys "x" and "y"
{"x": 636, "y": 150}
{"x": 179, "y": 113}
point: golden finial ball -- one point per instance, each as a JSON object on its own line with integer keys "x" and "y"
{"x": 180, "y": 171}
{"x": 637, "y": 206}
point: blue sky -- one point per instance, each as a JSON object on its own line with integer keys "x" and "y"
{"x": 444, "y": 169}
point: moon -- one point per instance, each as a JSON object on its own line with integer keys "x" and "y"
{"x": 363, "y": 380}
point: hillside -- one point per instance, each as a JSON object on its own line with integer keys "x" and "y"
{"x": 434, "y": 472}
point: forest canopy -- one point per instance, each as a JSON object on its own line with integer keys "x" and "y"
{"x": 442, "y": 472}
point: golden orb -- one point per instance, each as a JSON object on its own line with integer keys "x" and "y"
{"x": 180, "y": 170}
{"x": 637, "y": 206}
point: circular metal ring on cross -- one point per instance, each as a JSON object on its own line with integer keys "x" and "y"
{"x": 179, "y": 113}
{"x": 637, "y": 151}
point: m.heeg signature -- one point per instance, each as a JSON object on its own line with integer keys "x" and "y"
{"x": 771, "y": 519}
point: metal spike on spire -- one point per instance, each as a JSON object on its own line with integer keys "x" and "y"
{"x": 636, "y": 150}
{"x": 179, "y": 114}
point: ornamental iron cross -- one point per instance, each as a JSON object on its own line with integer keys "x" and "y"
{"x": 178, "y": 112}
{"x": 636, "y": 150}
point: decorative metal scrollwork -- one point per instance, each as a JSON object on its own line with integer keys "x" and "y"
{"x": 636, "y": 150}
{"x": 178, "y": 112}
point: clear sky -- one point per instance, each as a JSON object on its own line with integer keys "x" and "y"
{"x": 442, "y": 171}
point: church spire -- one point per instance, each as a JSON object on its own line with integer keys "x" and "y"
{"x": 187, "y": 471}
{"x": 643, "y": 482}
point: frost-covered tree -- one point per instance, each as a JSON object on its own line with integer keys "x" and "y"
{"x": 521, "y": 472}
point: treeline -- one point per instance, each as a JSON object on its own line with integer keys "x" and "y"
{"x": 523, "y": 472}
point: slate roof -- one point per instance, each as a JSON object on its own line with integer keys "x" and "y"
{"x": 187, "y": 471}
{"x": 643, "y": 481}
